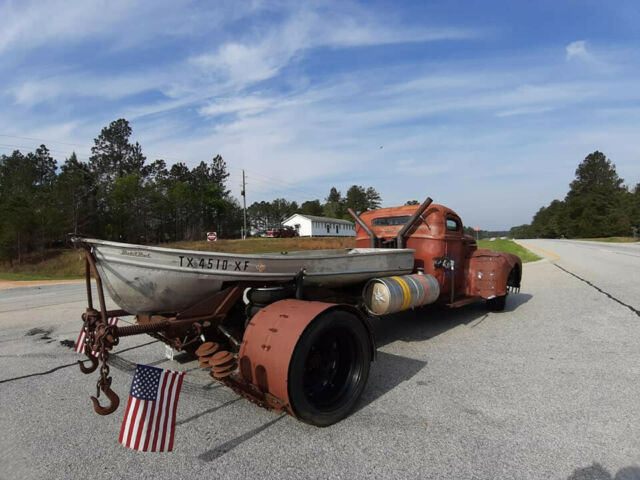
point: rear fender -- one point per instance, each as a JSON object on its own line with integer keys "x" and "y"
{"x": 270, "y": 340}
{"x": 491, "y": 272}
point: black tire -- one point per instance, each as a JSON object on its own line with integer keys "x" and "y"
{"x": 329, "y": 368}
{"x": 497, "y": 304}
{"x": 251, "y": 309}
{"x": 265, "y": 296}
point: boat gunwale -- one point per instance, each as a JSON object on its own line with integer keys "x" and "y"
{"x": 262, "y": 276}
{"x": 269, "y": 255}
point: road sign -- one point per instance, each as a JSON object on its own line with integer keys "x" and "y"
{"x": 212, "y": 236}
{"x": 477, "y": 229}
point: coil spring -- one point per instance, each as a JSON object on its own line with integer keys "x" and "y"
{"x": 222, "y": 363}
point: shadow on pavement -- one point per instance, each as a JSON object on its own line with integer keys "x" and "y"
{"x": 598, "y": 472}
{"x": 210, "y": 410}
{"x": 217, "y": 452}
{"x": 428, "y": 322}
{"x": 416, "y": 326}
{"x": 387, "y": 373}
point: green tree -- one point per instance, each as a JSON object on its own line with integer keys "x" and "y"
{"x": 521, "y": 231}
{"x": 179, "y": 196}
{"x": 311, "y": 207}
{"x": 160, "y": 222}
{"x": 595, "y": 203}
{"x": 334, "y": 196}
{"x": 74, "y": 194}
{"x": 125, "y": 205}
{"x": 19, "y": 179}
{"x": 356, "y": 199}
{"x": 155, "y": 171}
{"x": 45, "y": 212}
{"x": 374, "y": 200}
{"x": 595, "y": 172}
{"x": 283, "y": 208}
{"x": 113, "y": 155}
{"x": 551, "y": 221}
{"x": 261, "y": 215}
{"x": 634, "y": 209}
{"x": 179, "y": 172}
{"x": 334, "y": 206}
{"x": 219, "y": 174}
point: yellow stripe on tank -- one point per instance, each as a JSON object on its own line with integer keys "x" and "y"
{"x": 406, "y": 292}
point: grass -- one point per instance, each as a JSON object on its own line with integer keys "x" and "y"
{"x": 61, "y": 264}
{"x": 266, "y": 245}
{"x": 611, "y": 239}
{"x": 54, "y": 264}
{"x": 509, "y": 246}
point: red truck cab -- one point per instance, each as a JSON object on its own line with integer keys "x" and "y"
{"x": 464, "y": 272}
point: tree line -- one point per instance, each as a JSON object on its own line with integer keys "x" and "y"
{"x": 118, "y": 195}
{"x": 598, "y": 204}
{"x": 267, "y": 214}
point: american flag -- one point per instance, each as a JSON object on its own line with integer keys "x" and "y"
{"x": 150, "y": 419}
{"x": 80, "y": 342}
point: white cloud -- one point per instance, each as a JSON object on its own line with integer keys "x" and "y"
{"x": 445, "y": 125}
{"x": 124, "y": 23}
{"x": 248, "y": 105}
{"x": 33, "y": 23}
{"x": 45, "y": 89}
{"x": 264, "y": 54}
{"x": 577, "y": 49}
{"x": 524, "y": 111}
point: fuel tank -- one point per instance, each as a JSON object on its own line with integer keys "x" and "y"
{"x": 387, "y": 295}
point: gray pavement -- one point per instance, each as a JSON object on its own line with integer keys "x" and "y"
{"x": 547, "y": 389}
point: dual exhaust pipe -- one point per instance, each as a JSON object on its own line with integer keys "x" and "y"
{"x": 375, "y": 241}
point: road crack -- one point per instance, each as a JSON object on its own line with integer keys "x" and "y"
{"x": 634, "y": 310}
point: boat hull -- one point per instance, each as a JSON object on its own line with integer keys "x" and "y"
{"x": 142, "y": 279}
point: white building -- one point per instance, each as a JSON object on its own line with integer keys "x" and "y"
{"x": 312, "y": 226}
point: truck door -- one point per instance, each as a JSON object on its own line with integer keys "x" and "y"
{"x": 454, "y": 248}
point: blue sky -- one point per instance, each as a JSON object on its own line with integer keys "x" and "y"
{"x": 487, "y": 107}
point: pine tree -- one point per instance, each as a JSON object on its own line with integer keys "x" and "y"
{"x": 595, "y": 202}
{"x": 334, "y": 207}
{"x": 374, "y": 200}
{"x": 73, "y": 194}
{"x": 219, "y": 174}
{"x": 357, "y": 199}
{"x": 113, "y": 155}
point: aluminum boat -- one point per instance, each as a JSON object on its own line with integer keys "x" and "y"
{"x": 143, "y": 279}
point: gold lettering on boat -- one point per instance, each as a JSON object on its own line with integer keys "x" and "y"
{"x": 135, "y": 253}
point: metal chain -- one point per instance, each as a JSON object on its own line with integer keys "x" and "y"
{"x": 103, "y": 355}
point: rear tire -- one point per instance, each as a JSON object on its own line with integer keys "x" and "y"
{"x": 329, "y": 368}
{"x": 497, "y": 304}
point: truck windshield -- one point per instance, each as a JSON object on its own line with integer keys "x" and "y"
{"x": 386, "y": 221}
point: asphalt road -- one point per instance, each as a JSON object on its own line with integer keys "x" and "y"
{"x": 547, "y": 389}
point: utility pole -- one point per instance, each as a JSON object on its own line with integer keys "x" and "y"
{"x": 244, "y": 204}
